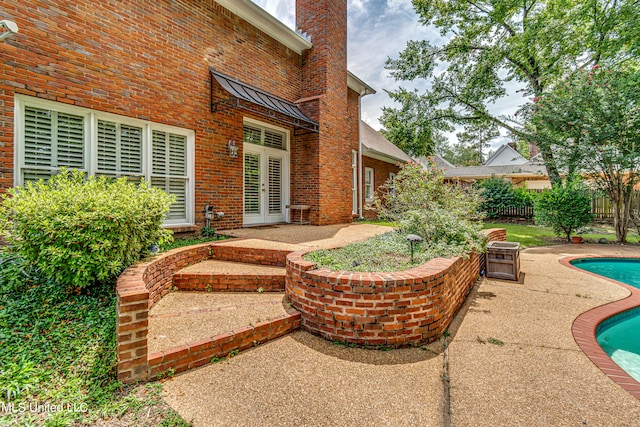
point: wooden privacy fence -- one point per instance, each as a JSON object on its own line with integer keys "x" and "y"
{"x": 511, "y": 212}
{"x": 601, "y": 207}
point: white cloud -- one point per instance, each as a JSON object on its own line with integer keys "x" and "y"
{"x": 377, "y": 30}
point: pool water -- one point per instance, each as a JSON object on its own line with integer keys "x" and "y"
{"x": 625, "y": 270}
{"x": 619, "y": 335}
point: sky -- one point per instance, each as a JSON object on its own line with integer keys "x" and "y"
{"x": 378, "y": 30}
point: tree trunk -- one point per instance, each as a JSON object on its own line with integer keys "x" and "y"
{"x": 625, "y": 216}
{"x": 550, "y": 164}
{"x": 621, "y": 204}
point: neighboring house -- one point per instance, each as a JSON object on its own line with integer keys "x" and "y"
{"x": 506, "y": 155}
{"x": 381, "y": 161}
{"x": 216, "y": 102}
{"x": 505, "y": 163}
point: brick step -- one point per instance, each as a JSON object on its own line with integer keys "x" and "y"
{"x": 205, "y": 351}
{"x": 228, "y": 276}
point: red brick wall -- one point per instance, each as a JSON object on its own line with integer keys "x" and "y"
{"x": 325, "y": 80}
{"x": 150, "y": 60}
{"x": 381, "y": 175}
{"x": 395, "y": 309}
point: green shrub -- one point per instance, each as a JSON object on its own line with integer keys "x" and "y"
{"x": 524, "y": 198}
{"x": 82, "y": 232}
{"x": 499, "y": 195}
{"x": 447, "y": 217}
{"x": 444, "y": 234}
{"x": 564, "y": 208}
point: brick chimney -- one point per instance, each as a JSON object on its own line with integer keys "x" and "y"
{"x": 533, "y": 150}
{"x": 326, "y": 158}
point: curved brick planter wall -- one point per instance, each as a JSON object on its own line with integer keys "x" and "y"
{"x": 142, "y": 285}
{"x": 396, "y": 309}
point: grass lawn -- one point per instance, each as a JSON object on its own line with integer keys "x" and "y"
{"x": 534, "y": 235}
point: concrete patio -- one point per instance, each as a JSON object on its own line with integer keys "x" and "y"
{"x": 512, "y": 360}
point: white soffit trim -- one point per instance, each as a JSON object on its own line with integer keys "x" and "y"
{"x": 354, "y": 83}
{"x": 381, "y": 156}
{"x": 261, "y": 19}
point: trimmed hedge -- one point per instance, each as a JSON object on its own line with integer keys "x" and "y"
{"x": 80, "y": 232}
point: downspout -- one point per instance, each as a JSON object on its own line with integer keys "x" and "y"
{"x": 360, "y": 170}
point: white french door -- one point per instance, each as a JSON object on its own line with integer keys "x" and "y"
{"x": 266, "y": 183}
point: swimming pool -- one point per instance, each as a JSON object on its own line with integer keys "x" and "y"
{"x": 619, "y": 335}
{"x": 625, "y": 270}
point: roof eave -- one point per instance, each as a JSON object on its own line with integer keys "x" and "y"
{"x": 382, "y": 156}
{"x": 496, "y": 175}
{"x": 356, "y": 84}
{"x": 267, "y": 23}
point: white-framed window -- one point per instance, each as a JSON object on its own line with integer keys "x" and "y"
{"x": 50, "y": 135}
{"x": 265, "y": 136}
{"x": 368, "y": 184}
{"x": 354, "y": 182}
{"x": 392, "y": 181}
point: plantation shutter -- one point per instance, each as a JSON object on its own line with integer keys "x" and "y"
{"x": 52, "y": 136}
{"x": 51, "y": 140}
{"x": 169, "y": 170}
{"x": 70, "y": 141}
{"x": 130, "y": 149}
{"x": 252, "y": 135}
{"x": 265, "y": 137}
{"x": 119, "y": 149}
{"x": 275, "y": 185}
{"x": 107, "y": 146}
{"x": 252, "y": 183}
{"x": 274, "y": 140}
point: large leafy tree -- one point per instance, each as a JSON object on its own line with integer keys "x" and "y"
{"x": 591, "y": 123}
{"x": 532, "y": 44}
{"x": 462, "y": 154}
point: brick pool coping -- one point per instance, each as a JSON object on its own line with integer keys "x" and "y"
{"x": 140, "y": 286}
{"x": 585, "y": 325}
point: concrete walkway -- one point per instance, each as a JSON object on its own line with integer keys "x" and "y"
{"x": 535, "y": 374}
{"x": 511, "y": 361}
{"x": 310, "y": 236}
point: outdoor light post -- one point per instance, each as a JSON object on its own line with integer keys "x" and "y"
{"x": 413, "y": 238}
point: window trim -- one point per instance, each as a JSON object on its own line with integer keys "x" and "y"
{"x": 392, "y": 183}
{"x": 354, "y": 182}
{"x": 90, "y": 158}
{"x": 248, "y": 121}
{"x": 369, "y": 172}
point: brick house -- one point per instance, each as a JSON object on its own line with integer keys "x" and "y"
{"x": 380, "y": 162}
{"x": 216, "y": 102}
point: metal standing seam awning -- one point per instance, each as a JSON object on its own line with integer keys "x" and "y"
{"x": 258, "y": 101}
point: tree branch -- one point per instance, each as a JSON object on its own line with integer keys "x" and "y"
{"x": 488, "y": 13}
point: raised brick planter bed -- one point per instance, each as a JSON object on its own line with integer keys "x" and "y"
{"x": 397, "y": 309}
{"x": 142, "y": 285}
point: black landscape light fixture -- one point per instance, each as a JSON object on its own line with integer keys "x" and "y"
{"x": 413, "y": 238}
